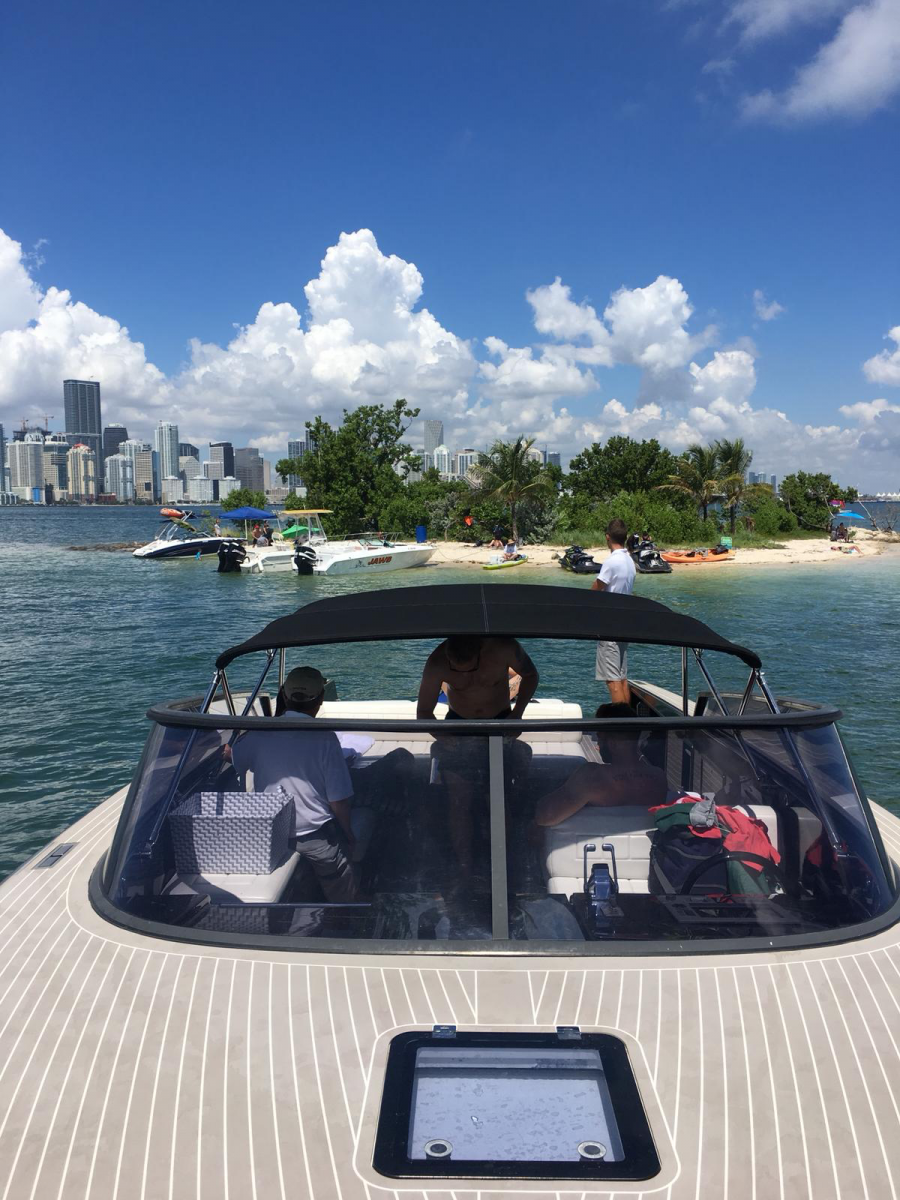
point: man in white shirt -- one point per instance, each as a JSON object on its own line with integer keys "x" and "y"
{"x": 310, "y": 767}
{"x": 616, "y": 575}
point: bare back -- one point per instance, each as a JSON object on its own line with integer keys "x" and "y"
{"x": 482, "y": 692}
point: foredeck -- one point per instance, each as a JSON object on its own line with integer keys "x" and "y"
{"x": 135, "y": 1067}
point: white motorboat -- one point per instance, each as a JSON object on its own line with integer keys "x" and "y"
{"x": 295, "y": 528}
{"x": 311, "y": 553}
{"x": 184, "y": 1014}
{"x": 178, "y": 538}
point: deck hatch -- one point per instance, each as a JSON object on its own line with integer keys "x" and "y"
{"x": 58, "y": 852}
{"x": 512, "y": 1106}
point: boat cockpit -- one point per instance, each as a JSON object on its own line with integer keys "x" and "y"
{"x": 706, "y": 818}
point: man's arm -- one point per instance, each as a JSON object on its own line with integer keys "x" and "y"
{"x": 569, "y": 799}
{"x": 528, "y": 681}
{"x": 429, "y": 688}
{"x": 341, "y": 810}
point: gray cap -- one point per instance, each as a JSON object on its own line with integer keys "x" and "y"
{"x": 304, "y": 684}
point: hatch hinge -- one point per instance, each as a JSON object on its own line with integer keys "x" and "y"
{"x": 444, "y": 1031}
{"x": 568, "y": 1033}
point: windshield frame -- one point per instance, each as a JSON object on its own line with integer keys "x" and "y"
{"x": 186, "y": 714}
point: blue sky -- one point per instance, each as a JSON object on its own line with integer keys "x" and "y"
{"x": 178, "y": 166}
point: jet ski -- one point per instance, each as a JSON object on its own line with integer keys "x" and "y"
{"x": 579, "y": 561}
{"x": 648, "y": 560}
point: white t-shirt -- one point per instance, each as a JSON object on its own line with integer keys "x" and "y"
{"x": 618, "y": 572}
{"x": 309, "y": 766}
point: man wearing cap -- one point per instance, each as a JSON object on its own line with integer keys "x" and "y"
{"x": 310, "y": 766}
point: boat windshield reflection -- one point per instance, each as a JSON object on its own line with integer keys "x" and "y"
{"x": 589, "y": 832}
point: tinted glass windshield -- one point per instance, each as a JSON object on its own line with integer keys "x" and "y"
{"x": 562, "y": 835}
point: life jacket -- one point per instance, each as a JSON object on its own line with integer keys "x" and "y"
{"x": 717, "y": 832}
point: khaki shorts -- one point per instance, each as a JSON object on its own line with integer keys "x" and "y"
{"x": 612, "y": 661}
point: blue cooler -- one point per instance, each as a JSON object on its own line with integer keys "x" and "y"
{"x": 421, "y": 533}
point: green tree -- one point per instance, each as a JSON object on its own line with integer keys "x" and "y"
{"x": 359, "y": 468}
{"x": 244, "y": 498}
{"x": 507, "y": 473}
{"x": 808, "y": 496}
{"x": 696, "y": 475}
{"x": 289, "y": 466}
{"x": 621, "y": 465}
{"x": 734, "y": 462}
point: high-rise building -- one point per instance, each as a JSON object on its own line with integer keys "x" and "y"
{"x": 221, "y": 460}
{"x": 118, "y": 477}
{"x": 56, "y": 465}
{"x": 187, "y": 449}
{"x": 2, "y": 460}
{"x": 296, "y": 450}
{"x": 443, "y": 460}
{"x": 228, "y": 485}
{"x": 26, "y": 465}
{"x": 81, "y": 465}
{"x": 188, "y": 467}
{"x": 267, "y": 475}
{"x": 248, "y": 466}
{"x": 464, "y": 460}
{"x": 113, "y": 437}
{"x": 773, "y": 479}
{"x": 535, "y": 455}
{"x": 142, "y": 472}
{"x": 434, "y": 435}
{"x": 172, "y": 489}
{"x": 201, "y": 490}
{"x": 83, "y": 421}
{"x": 553, "y": 459}
{"x": 166, "y": 446}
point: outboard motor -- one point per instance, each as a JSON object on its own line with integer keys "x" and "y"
{"x": 231, "y": 555}
{"x": 304, "y": 559}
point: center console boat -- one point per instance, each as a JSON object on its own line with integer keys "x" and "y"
{"x": 184, "y": 1013}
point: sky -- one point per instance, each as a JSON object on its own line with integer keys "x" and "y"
{"x": 666, "y": 218}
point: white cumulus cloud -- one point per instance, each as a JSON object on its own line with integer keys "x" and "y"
{"x": 885, "y": 367}
{"x": 766, "y": 310}
{"x": 852, "y": 75}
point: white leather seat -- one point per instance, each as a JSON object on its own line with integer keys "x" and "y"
{"x": 628, "y": 830}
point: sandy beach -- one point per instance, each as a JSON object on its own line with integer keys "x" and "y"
{"x": 807, "y": 552}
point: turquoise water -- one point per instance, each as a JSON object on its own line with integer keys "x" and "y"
{"x": 92, "y": 639}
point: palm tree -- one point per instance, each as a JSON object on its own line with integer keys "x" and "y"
{"x": 734, "y": 462}
{"x": 697, "y": 476}
{"x": 510, "y": 474}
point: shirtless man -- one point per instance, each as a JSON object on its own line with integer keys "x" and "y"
{"x": 475, "y": 673}
{"x": 623, "y": 778}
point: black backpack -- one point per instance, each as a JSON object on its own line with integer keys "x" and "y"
{"x": 676, "y": 852}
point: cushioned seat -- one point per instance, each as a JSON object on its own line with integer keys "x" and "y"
{"x": 627, "y": 829}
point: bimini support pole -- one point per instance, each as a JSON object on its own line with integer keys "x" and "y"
{"x": 282, "y": 656}
{"x": 684, "y": 680}
{"x": 229, "y": 699}
{"x": 770, "y": 699}
{"x": 748, "y": 692}
{"x": 270, "y": 658}
{"x": 698, "y": 654}
{"x": 211, "y": 691}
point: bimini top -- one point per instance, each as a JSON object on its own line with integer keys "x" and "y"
{"x": 511, "y": 610}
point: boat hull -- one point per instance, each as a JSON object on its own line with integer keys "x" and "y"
{"x": 367, "y": 562}
{"x": 165, "y": 550}
{"x": 139, "y": 1058}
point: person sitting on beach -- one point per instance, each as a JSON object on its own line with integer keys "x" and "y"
{"x": 510, "y": 551}
{"x": 496, "y": 542}
{"x": 623, "y": 778}
{"x": 474, "y": 673}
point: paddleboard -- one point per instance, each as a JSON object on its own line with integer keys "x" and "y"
{"x": 513, "y": 562}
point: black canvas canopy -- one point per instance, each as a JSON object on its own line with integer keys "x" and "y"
{"x": 512, "y": 610}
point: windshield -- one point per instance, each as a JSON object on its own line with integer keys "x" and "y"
{"x": 648, "y": 834}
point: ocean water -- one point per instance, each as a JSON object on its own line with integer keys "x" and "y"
{"x": 91, "y": 639}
